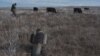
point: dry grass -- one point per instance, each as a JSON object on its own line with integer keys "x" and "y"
{"x": 68, "y": 34}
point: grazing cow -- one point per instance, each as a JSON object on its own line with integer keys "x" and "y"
{"x": 35, "y": 9}
{"x": 86, "y": 8}
{"x": 77, "y": 10}
{"x": 51, "y": 9}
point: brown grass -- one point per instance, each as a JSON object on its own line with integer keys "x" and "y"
{"x": 68, "y": 34}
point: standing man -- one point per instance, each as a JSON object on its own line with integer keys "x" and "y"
{"x": 13, "y": 9}
{"x": 38, "y": 41}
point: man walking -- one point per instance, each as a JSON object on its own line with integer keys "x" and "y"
{"x": 13, "y": 9}
{"x": 38, "y": 40}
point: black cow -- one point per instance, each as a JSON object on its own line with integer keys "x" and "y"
{"x": 35, "y": 9}
{"x": 86, "y": 8}
{"x": 77, "y": 10}
{"x": 51, "y": 9}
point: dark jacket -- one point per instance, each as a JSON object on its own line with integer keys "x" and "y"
{"x": 32, "y": 38}
{"x": 38, "y": 38}
{"x": 13, "y": 7}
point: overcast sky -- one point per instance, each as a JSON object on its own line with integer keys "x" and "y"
{"x": 31, "y": 3}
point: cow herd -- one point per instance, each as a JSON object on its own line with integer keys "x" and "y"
{"x": 79, "y": 10}
{"x": 48, "y": 9}
{"x": 53, "y": 10}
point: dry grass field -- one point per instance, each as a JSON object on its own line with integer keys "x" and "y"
{"x": 69, "y": 34}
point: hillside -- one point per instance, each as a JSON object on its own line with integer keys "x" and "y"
{"x": 68, "y": 34}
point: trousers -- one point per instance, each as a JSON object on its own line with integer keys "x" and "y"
{"x": 36, "y": 50}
